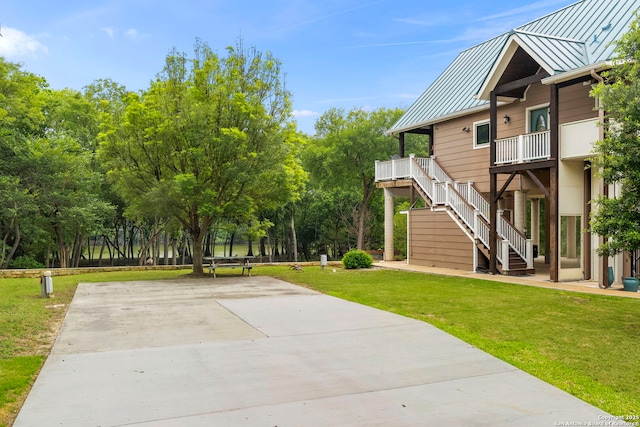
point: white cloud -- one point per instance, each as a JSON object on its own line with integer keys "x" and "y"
{"x": 304, "y": 113}
{"x": 132, "y": 33}
{"x": 110, "y": 32}
{"x": 16, "y": 44}
{"x": 531, "y": 7}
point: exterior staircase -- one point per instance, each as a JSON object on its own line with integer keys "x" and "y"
{"x": 466, "y": 206}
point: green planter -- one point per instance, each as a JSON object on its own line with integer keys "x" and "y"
{"x": 630, "y": 284}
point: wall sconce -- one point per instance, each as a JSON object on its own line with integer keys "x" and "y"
{"x": 507, "y": 119}
{"x": 465, "y": 129}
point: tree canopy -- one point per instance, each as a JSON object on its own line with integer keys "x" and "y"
{"x": 344, "y": 152}
{"x": 210, "y": 140}
{"x": 208, "y": 152}
{"x": 617, "y": 156}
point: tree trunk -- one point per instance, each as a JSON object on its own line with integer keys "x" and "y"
{"x": 166, "y": 248}
{"x": 174, "y": 252}
{"x": 368, "y": 192}
{"x": 102, "y": 251}
{"x": 294, "y": 240}
{"x": 16, "y": 242}
{"x": 250, "y": 250}
{"x": 233, "y": 235}
{"x": 198, "y": 240}
{"x": 197, "y": 255}
{"x": 89, "y": 249}
{"x": 269, "y": 246}
{"x": 76, "y": 250}
{"x": 207, "y": 245}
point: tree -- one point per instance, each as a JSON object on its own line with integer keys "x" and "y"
{"x": 617, "y": 156}
{"x": 59, "y": 173}
{"x": 210, "y": 140}
{"x": 22, "y": 97}
{"x": 344, "y": 153}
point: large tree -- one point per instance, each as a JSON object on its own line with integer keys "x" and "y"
{"x": 210, "y": 140}
{"x": 342, "y": 157}
{"x": 617, "y": 156}
{"x": 22, "y": 96}
{"x": 60, "y": 174}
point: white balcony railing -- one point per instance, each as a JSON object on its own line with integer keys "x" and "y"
{"x": 523, "y": 148}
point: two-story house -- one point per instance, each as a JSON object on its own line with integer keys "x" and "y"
{"x": 511, "y": 125}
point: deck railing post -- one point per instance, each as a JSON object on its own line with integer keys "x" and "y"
{"x": 476, "y": 223}
{"x": 446, "y": 193}
{"x": 520, "y": 153}
{"x": 411, "y": 160}
{"x": 529, "y": 254}
{"x": 505, "y": 255}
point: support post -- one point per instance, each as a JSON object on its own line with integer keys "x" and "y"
{"x": 505, "y": 255}
{"x": 535, "y": 221}
{"x": 554, "y": 133}
{"x": 587, "y": 221}
{"x": 519, "y": 210}
{"x": 388, "y": 225}
{"x": 493, "y": 185}
{"x": 554, "y": 228}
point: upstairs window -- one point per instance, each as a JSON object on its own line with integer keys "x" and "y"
{"x": 481, "y": 134}
{"x": 538, "y": 118}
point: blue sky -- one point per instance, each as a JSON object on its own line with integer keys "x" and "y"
{"x": 335, "y": 53}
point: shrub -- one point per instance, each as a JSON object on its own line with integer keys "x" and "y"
{"x": 357, "y": 259}
{"x": 25, "y": 261}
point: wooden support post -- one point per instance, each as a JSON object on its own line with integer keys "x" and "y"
{"x": 554, "y": 128}
{"x": 430, "y": 136}
{"x": 493, "y": 200}
{"x": 401, "y": 144}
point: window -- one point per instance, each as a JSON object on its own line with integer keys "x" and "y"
{"x": 538, "y": 119}
{"x": 481, "y": 134}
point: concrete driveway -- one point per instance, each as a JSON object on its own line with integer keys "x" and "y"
{"x": 240, "y": 351}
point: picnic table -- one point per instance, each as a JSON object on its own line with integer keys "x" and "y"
{"x": 216, "y": 262}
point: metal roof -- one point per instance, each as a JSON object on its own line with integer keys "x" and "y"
{"x": 571, "y": 38}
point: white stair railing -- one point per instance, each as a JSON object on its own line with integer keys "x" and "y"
{"x": 463, "y": 199}
{"x": 515, "y": 239}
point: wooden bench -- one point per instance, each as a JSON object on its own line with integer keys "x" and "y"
{"x": 245, "y": 266}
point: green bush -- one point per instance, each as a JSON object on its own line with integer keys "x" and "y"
{"x": 25, "y": 261}
{"x": 357, "y": 259}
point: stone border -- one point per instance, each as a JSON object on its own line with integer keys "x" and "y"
{"x": 35, "y": 273}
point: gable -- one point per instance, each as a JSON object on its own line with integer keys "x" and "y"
{"x": 527, "y": 52}
{"x": 569, "y": 40}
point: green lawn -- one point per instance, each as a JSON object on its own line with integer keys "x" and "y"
{"x": 585, "y": 344}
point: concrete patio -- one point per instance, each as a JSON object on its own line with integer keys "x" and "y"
{"x": 240, "y": 351}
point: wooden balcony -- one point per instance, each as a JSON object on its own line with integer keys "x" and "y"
{"x": 523, "y": 148}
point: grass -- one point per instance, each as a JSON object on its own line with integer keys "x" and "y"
{"x": 587, "y": 345}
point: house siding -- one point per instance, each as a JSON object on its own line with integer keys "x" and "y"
{"x": 454, "y": 149}
{"x": 437, "y": 241}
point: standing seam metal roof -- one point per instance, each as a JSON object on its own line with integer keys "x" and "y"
{"x": 565, "y": 40}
